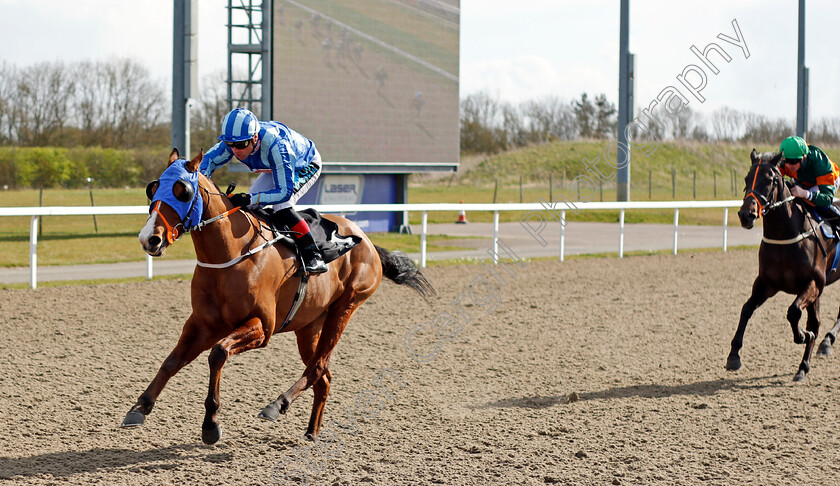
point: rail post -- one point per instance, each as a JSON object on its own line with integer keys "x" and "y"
{"x": 149, "y": 267}
{"x": 33, "y": 252}
{"x": 621, "y": 234}
{"x": 423, "y": 227}
{"x": 725, "y": 222}
{"x": 562, "y": 234}
{"x": 676, "y": 227}
{"x": 496, "y": 237}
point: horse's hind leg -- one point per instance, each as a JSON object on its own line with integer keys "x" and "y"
{"x": 316, "y": 367}
{"x": 813, "y": 329}
{"x": 830, "y": 337}
{"x": 810, "y": 295}
{"x": 307, "y": 339}
{"x": 761, "y": 291}
{"x": 193, "y": 341}
{"x": 247, "y": 336}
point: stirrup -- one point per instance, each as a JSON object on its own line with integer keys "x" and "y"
{"x": 312, "y": 261}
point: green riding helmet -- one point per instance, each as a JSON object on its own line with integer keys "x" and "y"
{"x": 794, "y": 148}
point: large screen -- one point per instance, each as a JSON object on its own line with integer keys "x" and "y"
{"x": 369, "y": 80}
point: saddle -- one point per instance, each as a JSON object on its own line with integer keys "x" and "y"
{"x": 827, "y": 224}
{"x": 829, "y": 231}
{"x": 324, "y": 232}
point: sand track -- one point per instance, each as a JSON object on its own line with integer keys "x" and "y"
{"x": 641, "y": 342}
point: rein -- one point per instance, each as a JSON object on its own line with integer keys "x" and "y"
{"x": 776, "y": 204}
{"x": 221, "y": 216}
{"x": 769, "y": 206}
{"x": 304, "y": 278}
{"x": 241, "y": 257}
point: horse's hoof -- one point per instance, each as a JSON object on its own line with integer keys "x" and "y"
{"x": 800, "y": 376}
{"x": 211, "y": 436}
{"x": 270, "y": 412}
{"x": 133, "y": 419}
{"x": 733, "y": 364}
{"x": 284, "y": 404}
{"x": 309, "y": 436}
{"x": 825, "y": 349}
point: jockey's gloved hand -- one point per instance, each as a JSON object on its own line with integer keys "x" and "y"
{"x": 241, "y": 199}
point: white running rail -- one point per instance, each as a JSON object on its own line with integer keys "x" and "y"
{"x": 545, "y": 210}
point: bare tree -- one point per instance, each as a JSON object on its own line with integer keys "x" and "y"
{"x": 760, "y": 129}
{"x": 481, "y": 108}
{"x": 88, "y": 104}
{"x": 8, "y": 88}
{"x": 212, "y": 106}
{"x": 514, "y": 126}
{"x": 44, "y": 92}
{"x": 682, "y": 123}
{"x": 727, "y": 124}
{"x": 480, "y": 130}
{"x": 550, "y": 118}
{"x": 825, "y": 131}
{"x": 132, "y": 102}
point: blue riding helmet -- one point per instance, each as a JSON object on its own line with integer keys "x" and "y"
{"x": 238, "y": 125}
{"x": 190, "y": 210}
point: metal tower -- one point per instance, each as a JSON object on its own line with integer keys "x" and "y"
{"x": 249, "y": 68}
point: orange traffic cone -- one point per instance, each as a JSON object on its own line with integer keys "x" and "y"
{"x": 462, "y": 216}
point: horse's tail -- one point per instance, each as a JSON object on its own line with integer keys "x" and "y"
{"x": 397, "y": 266}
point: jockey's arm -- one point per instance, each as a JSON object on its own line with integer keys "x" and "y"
{"x": 216, "y": 157}
{"x": 277, "y": 156}
{"x": 824, "y": 196}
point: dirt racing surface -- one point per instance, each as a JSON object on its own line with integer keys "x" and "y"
{"x": 597, "y": 371}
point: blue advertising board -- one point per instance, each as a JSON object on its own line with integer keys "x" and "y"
{"x": 358, "y": 189}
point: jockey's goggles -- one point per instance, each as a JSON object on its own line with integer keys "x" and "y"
{"x": 239, "y": 145}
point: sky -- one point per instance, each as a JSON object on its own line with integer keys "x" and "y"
{"x": 539, "y": 48}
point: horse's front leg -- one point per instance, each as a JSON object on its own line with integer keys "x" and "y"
{"x": 194, "y": 340}
{"x": 813, "y": 329}
{"x": 761, "y": 291}
{"x": 247, "y": 336}
{"x": 830, "y": 337}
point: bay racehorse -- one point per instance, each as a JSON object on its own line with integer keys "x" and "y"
{"x": 243, "y": 289}
{"x": 794, "y": 257}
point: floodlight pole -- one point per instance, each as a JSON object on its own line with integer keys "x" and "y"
{"x": 184, "y": 70}
{"x": 625, "y": 104}
{"x": 801, "y": 78}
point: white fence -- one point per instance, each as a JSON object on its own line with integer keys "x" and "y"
{"x": 541, "y": 212}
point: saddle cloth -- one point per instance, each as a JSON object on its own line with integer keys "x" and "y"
{"x": 324, "y": 232}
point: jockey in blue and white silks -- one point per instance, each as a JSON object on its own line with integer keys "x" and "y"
{"x": 288, "y": 165}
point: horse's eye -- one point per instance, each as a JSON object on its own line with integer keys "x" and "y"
{"x": 151, "y": 188}
{"x": 183, "y": 191}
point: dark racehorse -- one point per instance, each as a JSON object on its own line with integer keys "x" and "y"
{"x": 794, "y": 257}
{"x": 242, "y": 295}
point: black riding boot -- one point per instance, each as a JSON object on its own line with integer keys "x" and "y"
{"x": 313, "y": 261}
{"x": 831, "y": 213}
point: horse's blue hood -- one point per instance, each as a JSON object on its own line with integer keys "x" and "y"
{"x": 192, "y": 210}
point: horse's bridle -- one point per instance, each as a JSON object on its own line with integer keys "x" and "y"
{"x": 764, "y": 204}
{"x": 172, "y": 234}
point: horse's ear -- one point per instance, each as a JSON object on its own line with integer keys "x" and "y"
{"x": 173, "y": 156}
{"x": 192, "y": 165}
{"x": 754, "y": 157}
{"x": 776, "y": 159}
